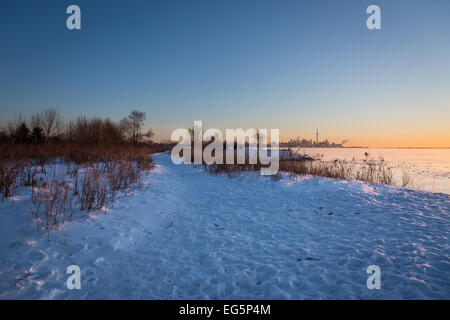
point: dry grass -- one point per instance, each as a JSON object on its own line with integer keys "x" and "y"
{"x": 90, "y": 179}
{"x": 372, "y": 171}
{"x": 73, "y": 152}
{"x": 124, "y": 163}
{"x": 408, "y": 180}
{"x": 232, "y": 170}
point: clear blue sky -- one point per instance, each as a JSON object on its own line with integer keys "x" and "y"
{"x": 293, "y": 65}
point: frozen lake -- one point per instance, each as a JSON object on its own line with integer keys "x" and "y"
{"x": 430, "y": 168}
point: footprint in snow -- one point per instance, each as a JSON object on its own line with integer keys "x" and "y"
{"x": 218, "y": 227}
{"x": 22, "y": 277}
{"x": 308, "y": 259}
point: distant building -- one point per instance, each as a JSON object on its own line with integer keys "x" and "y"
{"x": 303, "y": 143}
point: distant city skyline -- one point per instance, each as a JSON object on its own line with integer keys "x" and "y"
{"x": 292, "y": 65}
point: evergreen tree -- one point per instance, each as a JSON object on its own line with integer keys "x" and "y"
{"x": 37, "y": 135}
{"x": 22, "y": 134}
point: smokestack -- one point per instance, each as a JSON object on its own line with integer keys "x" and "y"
{"x": 317, "y": 136}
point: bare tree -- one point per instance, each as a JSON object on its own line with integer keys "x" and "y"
{"x": 149, "y": 135}
{"x": 51, "y": 122}
{"x": 36, "y": 120}
{"x": 133, "y": 125}
{"x": 10, "y": 127}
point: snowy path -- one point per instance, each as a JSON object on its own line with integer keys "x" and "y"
{"x": 190, "y": 235}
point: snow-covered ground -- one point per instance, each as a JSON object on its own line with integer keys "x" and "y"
{"x": 190, "y": 235}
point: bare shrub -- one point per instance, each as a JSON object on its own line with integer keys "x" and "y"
{"x": 125, "y": 170}
{"x": 10, "y": 170}
{"x": 52, "y": 203}
{"x": 93, "y": 190}
{"x": 29, "y": 173}
{"x": 115, "y": 155}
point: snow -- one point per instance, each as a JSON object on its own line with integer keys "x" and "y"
{"x": 191, "y": 235}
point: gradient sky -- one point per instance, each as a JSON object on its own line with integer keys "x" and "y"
{"x": 292, "y": 65}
